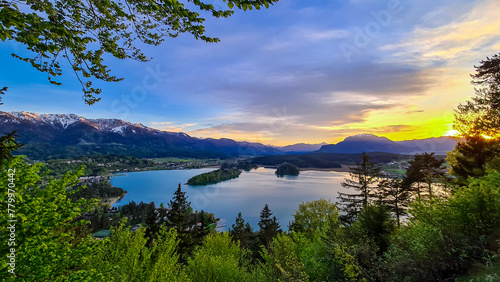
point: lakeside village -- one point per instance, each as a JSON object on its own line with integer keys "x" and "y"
{"x": 98, "y": 171}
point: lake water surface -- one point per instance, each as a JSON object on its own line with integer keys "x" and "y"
{"x": 248, "y": 193}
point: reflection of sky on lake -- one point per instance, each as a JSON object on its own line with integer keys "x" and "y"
{"x": 248, "y": 193}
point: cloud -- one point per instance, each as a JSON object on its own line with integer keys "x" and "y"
{"x": 169, "y": 126}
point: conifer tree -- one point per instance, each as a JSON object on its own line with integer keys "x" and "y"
{"x": 424, "y": 168}
{"x": 363, "y": 180}
{"x": 202, "y": 227}
{"x": 395, "y": 195}
{"x": 178, "y": 213}
{"x": 178, "y": 217}
{"x": 269, "y": 227}
{"x": 242, "y": 232}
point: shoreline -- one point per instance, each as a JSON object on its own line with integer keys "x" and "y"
{"x": 113, "y": 200}
{"x": 343, "y": 168}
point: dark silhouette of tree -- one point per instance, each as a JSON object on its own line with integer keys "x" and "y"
{"x": 153, "y": 227}
{"x": 378, "y": 224}
{"x": 8, "y": 142}
{"x": 202, "y": 228}
{"x": 424, "y": 168}
{"x": 2, "y": 92}
{"x": 363, "y": 180}
{"x": 470, "y": 157}
{"x": 395, "y": 195}
{"x": 481, "y": 115}
{"x": 241, "y": 231}
{"x": 178, "y": 217}
{"x": 269, "y": 227}
{"x": 478, "y": 123}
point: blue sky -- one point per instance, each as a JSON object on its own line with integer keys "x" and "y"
{"x": 300, "y": 71}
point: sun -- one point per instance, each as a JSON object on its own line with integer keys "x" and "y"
{"x": 451, "y": 132}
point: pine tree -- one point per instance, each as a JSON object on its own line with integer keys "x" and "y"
{"x": 153, "y": 227}
{"x": 424, "y": 168}
{"x": 269, "y": 227}
{"x": 471, "y": 155}
{"x": 395, "y": 195}
{"x": 178, "y": 217}
{"x": 363, "y": 178}
{"x": 242, "y": 232}
{"x": 178, "y": 213}
{"x": 202, "y": 227}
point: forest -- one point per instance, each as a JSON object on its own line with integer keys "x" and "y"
{"x": 429, "y": 225}
{"x": 214, "y": 176}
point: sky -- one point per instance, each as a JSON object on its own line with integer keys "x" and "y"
{"x": 302, "y": 71}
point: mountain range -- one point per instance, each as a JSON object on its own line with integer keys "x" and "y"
{"x": 372, "y": 143}
{"x": 69, "y": 135}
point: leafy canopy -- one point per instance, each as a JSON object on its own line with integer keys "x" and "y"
{"x": 80, "y": 33}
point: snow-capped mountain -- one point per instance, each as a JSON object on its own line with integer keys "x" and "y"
{"x": 64, "y": 135}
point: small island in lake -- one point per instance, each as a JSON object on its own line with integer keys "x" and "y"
{"x": 287, "y": 169}
{"x": 214, "y": 176}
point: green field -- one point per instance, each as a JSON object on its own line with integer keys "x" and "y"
{"x": 179, "y": 160}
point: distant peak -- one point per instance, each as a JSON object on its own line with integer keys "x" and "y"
{"x": 366, "y": 136}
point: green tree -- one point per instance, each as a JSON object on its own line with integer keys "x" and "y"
{"x": 424, "y": 168}
{"x": 218, "y": 259}
{"x": 125, "y": 256}
{"x": 242, "y": 232}
{"x": 269, "y": 227}
{"x": 50, "y": 236}
{"x": 378, "y": 224}
{"x": 363, "y": 180}
{"x": 471, "y": 157}
{"x": 315, "y": 215}
{"x": 82, "y": 33}
{"x": 478, "y": 123}
{"x": 395, "y": 195}
{"x": 179, "y": 218}
{"x": 8, "y": 144}
{"x": 481, "y": 115}
{"x": 281, "y": 262}
{"x": 447, "y": 237}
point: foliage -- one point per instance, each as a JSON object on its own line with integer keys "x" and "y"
{"x": 218, "y": 259}
{"x": 281, "y": 262}
{"x": 311, "y": 216}
{"x": 242, "y": 232}
{"x": 481, "y": 115}
{"x": 287, "y": 169}
{"x": 470, "y": 158}
{"x": 125, "y": 257}
{"x": 376, "y": 223}
{"x": 363, "y": 178}
{"x": 97, "y": 164}
{"x": 51, "y": 239}
{"x": 178, "y": 217}
{"x": 446, "y": 237}
{"x": 98, "y": 190}
{"x": 395, "y": 195}
{"x": 424, "y": 168}
{"x": 2, "y": 92}
{"x": 8, "y": 144}
{"x": 478, "y": 122}
{"x": 214, "y": 176}
{"x": 82, "y": 33}
{"x": 269, "y": 227}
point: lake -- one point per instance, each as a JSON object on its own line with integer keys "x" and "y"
{"x": 248, "y": 193}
